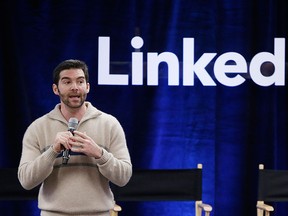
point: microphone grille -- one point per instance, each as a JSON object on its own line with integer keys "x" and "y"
{"x": 72, "y": 124}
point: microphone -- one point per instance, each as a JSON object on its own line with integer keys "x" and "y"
{"x": 72, "y": 124}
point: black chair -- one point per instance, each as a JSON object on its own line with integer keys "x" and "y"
{"x": 272, "y": 187}
{"x": 163, "y": 185}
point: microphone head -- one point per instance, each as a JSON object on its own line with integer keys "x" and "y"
{"x": 72, "y": 124}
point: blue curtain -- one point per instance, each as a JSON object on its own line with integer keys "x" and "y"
{"x": 230, "y": 130}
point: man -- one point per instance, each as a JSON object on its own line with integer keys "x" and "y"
{"x": 97, "y": 147}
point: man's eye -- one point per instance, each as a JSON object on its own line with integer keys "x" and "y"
{"x": 81, "y": 81}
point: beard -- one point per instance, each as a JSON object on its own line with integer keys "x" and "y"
{"x": 73, "y": 100}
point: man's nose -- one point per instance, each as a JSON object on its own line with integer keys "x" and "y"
{"x": 74, "y": 86}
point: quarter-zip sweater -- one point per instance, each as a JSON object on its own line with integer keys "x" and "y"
{"x": 82, "y": 186}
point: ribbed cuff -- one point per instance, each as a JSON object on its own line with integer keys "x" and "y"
{"x": 50, "y": 154}
{"x": 104, "y": 158}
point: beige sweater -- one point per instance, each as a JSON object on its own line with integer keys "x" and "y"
{"x": 82, "y": 186}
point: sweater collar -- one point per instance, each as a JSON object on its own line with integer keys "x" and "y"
{"x": 91, "y": 112}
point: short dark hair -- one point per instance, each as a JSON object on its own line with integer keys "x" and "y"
{"x": 69, "y": 64}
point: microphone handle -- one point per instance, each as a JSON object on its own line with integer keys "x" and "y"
{"x": 66, "y": 152}
{"x": 66, "y": 156}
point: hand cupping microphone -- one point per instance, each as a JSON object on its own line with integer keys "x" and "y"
{"x": 72, "y": 125}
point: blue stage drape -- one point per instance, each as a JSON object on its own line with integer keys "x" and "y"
{"x": 230, "y": 130}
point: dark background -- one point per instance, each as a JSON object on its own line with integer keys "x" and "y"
{"x": 230, "y": 130}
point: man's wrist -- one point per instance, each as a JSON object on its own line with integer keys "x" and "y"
{"x": 52, "y": 146}
{"x": 101, "y": 154}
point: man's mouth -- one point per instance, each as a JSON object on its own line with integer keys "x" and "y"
{"x": 74, "y": 96}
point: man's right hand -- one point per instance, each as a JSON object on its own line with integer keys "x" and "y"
{"x": 61, "y": 141}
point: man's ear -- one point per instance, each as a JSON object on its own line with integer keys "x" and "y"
{"x": 88, "y": 87}
{"x": 55, "y": 89}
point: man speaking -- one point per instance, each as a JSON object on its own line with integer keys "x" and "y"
{"x": 74, "y": 166}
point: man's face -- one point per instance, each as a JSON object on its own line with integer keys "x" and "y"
{"x": 72, "y": 88}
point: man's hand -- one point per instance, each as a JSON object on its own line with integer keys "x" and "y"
{"x": 62, "y": 141}
{"x": 81, "y": 142}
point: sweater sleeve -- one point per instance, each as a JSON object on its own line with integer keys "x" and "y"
{"x": 34, "y": 166}
{"x": 116, "y": 170}
{"x": 115, "y": 163}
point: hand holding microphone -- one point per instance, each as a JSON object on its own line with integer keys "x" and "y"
{"x": 81, "y": 143}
